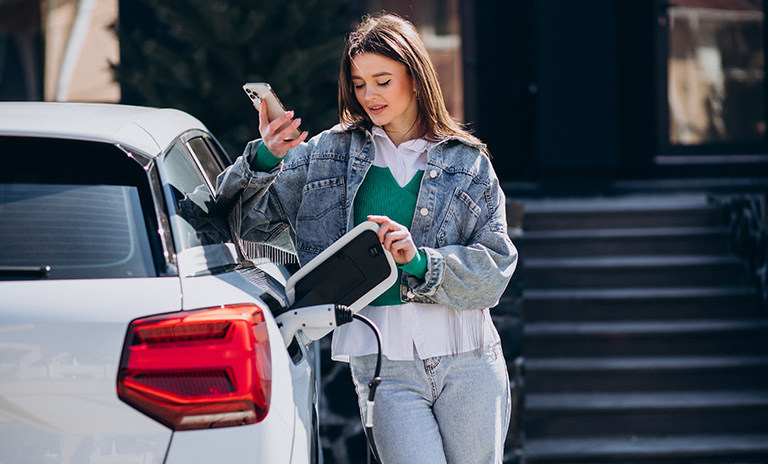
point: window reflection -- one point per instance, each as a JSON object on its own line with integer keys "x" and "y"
{"x": 716, "y": 72}
{"x": 193, "y": 201}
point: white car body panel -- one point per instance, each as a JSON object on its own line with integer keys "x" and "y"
{"x": 60, "y": 345}
{"x": 93, "y": 301}
{"x": 51, "y": 395}
{"x": 279, "y": 438}
{"x": 290, "y": 404}
{"x": 194, "y": 260}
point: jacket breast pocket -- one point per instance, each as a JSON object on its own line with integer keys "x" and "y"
{"x": 460, "y": 220}
{"x": 320, "y": 219}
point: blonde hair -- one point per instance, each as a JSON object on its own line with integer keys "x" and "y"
{"x": 393, "y": 37}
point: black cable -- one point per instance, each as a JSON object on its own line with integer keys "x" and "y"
{"x": 372, "y": 385}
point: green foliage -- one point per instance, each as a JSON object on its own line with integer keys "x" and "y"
{"x": 195, "y": 55}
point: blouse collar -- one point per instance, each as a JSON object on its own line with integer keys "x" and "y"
{"x": 404, "y": 160}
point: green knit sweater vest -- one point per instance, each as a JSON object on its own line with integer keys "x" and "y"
{"x": 380, "y": 194}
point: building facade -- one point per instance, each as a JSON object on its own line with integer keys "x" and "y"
{"x": 609, "y": 89}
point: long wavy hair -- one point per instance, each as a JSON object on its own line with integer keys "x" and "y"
{"x": 391, "y": 36}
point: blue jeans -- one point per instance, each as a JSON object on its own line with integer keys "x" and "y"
{"x": 448, "y": 409}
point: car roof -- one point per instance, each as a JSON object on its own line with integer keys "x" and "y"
{"x": 149, "y": 130}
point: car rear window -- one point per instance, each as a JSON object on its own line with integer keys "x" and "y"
{"x": 77, "y": 207}
{"x": 72, "y": 232}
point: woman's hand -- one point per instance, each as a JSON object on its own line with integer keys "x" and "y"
{"x": 273, "y": 137}
{"x": 395, "y": 238}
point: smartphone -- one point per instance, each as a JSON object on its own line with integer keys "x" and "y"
{"x": 258, "y": 91}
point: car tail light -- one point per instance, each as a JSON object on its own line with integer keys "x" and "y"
{"x": 198, "y": 369}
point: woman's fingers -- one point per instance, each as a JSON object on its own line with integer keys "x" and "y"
{"x": 385, "y": 225}
{"x": 274, "y": 137}
{"x": 395, "y": 238}
{"x": 263, "y": 118}
{"x": 283, "y": 134}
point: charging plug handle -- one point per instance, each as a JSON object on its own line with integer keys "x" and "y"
{"x": 316, "y": 321}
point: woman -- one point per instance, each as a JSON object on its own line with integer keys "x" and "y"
{"x": 398, "y": 159}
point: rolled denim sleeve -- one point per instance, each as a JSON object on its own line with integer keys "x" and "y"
{"x": 472, "y": 276}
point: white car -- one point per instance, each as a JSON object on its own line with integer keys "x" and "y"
{"x": 132, "y": 328}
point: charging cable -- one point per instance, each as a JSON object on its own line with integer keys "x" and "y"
{"x": 372, "y": 385}
{"x": 316, "y": 321}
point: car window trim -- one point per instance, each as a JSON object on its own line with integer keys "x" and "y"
{"x": 185, "y": 138}
{"x": 142, "y": 158}
{"x": 166, "y": 234}
{"x": 164, "y": 228}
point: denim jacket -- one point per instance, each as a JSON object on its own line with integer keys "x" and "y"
{"x": 306, "y": 203}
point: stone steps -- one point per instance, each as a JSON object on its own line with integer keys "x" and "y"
{"x": 648, "y": 338}
{"x": 649, "y": 303}
{"x": 644, "y": 341}
{"x": 634, "y": 241}
{"x": 633, "y": 449}
{"x": 634, "y": 271}
{"x": 642, "y": 413}
{"x": 646, "y": 373}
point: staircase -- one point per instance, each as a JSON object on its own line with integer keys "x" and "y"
{"x": 644, "y": 341}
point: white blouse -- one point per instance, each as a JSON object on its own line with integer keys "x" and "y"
{"x": 433, "y": 330}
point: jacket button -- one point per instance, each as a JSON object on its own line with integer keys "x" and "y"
{"x": 433, "y": 173}
{"x": 410, "y": 294}
{"x": 424, "y": 211}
